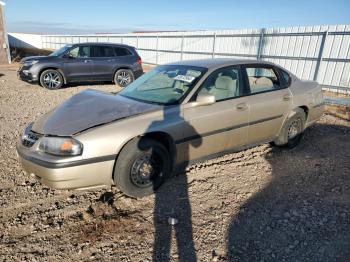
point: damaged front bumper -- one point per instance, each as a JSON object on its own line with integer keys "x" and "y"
{"x": 67, "y": 174}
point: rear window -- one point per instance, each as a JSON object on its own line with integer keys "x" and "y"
{"x": 121, "y": 51}
{"x": 285, "y": 78}
{"x": 103, "y": 51}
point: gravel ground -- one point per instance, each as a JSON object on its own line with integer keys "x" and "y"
{"x": 262, "y": 204}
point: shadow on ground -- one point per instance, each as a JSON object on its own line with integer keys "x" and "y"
{"x": 174, "y": 203}
{"x": 88, "y": 83}
{"x": 303, "y": 214}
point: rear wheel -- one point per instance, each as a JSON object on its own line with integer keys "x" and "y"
{"x": 51, "y": 79}
{"x": 142, "y": 166}
{"x": 123, "y": 77}
{"x": 292, "y": 130}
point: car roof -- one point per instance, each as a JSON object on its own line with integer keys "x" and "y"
{"x": 212, "y": 63}
{"x": 103, "y": 43}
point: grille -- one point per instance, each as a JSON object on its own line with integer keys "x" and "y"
{"x": 30, "y": 138}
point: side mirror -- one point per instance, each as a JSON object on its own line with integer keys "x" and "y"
{"x": 205, "y": 99}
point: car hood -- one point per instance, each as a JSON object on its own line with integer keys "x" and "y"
{"x": 30, "y": 58}
{"x": 87, "y": 109}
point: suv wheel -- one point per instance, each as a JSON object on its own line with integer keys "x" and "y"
{"x": 292, "y": 131}
{"x": 142, "y": 166}
{"x": 123, "y": 77}
{"x": 51, "y": 79}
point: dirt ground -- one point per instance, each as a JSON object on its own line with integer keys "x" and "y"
{"x": 262, "y": 204}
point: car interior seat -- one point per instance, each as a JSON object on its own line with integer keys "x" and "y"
{"x": 225, "y": 87}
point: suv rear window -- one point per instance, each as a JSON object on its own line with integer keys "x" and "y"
{"x": 103, "y": 51}
{"x": 121, "y": 51}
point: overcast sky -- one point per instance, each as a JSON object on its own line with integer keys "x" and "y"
{"x": 108, "y": 16}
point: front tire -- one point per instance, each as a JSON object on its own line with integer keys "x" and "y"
{"x": 123, "y": 77}
{"x": 51, "y": 79}
{"x": 292, "y": 130}
{"x": 142, "y": 166}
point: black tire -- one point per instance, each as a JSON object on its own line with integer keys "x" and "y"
{"x": 51, "y": 79}
{"x": 142, "y": 166}
{"x": 292, "y": 130}
{"x": 123, "y": 77}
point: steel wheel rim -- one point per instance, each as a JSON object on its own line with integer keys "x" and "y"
{"x": 52, "y": 80}
{"x": 294, "y": 128}
{"x": 123, "y": 78}
{"x": 145, "y": 170}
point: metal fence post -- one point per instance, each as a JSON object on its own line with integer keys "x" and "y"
{"x": 214, "y": 42}
{"x": 121, "y": 39}
{"x": 157, "y": 51}
{"x": 320, "y": 55}
{"x": 261, "y": 43}
{"x": 182, "y": 47}
{"x": 137, "y": 42}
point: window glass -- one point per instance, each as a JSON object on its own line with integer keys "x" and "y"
{"x": 262, "y": 79}
{"x": 286, "y": 77}
{"x": 60, "y": 51}
{"x": 80, "y": 51}
{"x": 103, "y": 51}
{"x": 120, "y": 51}
{"x": 223, "y": 84}
{"x": 165, "y": 85}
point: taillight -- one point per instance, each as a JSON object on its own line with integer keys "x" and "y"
{"x": 139, "y": 61}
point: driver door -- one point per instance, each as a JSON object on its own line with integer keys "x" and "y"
{"x": 78, "y": 64}
{"x": 220, "y": 126}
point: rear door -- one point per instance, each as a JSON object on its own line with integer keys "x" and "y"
{"x": 222, "y": 125}
{"x": 125, "y": 57}
{"x": 78, "y": 64}
{"x": 103, "y": 62}
{"x": 269, "y": 102}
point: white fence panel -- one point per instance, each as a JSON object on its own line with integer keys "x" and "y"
{"x": 319, "y": 53}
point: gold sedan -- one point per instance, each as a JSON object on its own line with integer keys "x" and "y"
{"x": 168, "y": 118}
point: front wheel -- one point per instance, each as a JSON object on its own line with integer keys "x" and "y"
{"x": 142, "y": 166}
{"x": 51, "y": 79}
{"x": 292, "y": 130}
{"x": 123, "y": 77}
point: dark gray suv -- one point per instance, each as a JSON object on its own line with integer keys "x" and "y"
{"x": 83, "y": 62}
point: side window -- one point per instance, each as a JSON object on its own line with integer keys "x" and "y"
{"x": 121, "y": 51}
{"x": 103, "y": 51}
{"x": 223, "y": 84}
{"x": 262, "y": 79}
{"x": 80, "y": 52}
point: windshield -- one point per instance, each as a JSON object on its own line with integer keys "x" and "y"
{"x": 61, "y": 50}
{"x": 165, "y": 85}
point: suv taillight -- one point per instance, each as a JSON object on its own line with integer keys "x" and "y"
{"x": 139, "y": 61}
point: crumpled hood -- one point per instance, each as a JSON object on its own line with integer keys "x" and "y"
{"x": 87, "y": 109}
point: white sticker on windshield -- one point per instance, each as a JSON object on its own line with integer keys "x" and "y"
{"x": 185, "y": 78}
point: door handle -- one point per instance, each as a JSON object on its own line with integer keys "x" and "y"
{"x": 241, "y": 106}
{"x": 87, "y": 61}
{"x": 110, "y": 60}
{"x": 286, "y": 97}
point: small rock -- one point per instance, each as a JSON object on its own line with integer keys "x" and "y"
{"x": 172, "y": 221}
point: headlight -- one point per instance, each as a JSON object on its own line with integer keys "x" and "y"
{"x": 30, "y": 63}
{"x": 26, "y": 130}
{"x": 61, "y": 146}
